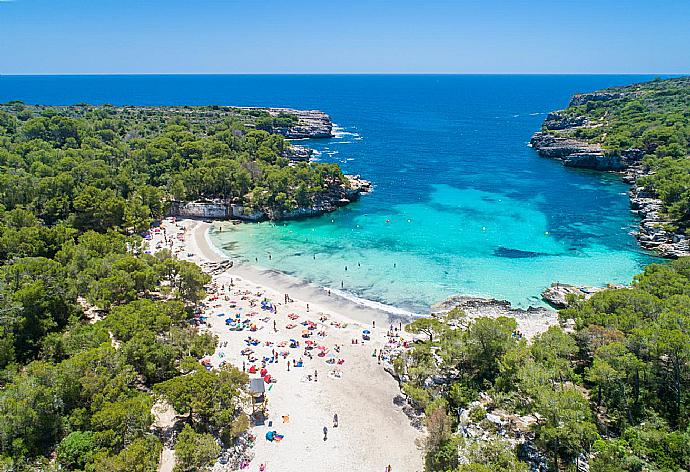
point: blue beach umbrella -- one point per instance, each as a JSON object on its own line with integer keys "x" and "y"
{"x": 366, "y": 331}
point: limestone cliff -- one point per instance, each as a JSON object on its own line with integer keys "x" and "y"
{"x": 562, "y": 137}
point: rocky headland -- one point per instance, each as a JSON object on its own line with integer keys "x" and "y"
{"x": 333, "y": 197}
{"x": 531, "y": 321}
{"x": 310, "y": 123}
{"x": 559, "y": 295}
{"x": 558, "y": 140}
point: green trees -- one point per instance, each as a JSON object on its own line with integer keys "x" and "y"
{"x": 108, "y": 168}
{"x": 615, "y": 391}
{"x": 209, "y": 399}
{"x": 141, "y": 455}
{"x": 76, "y": 450}
{"x": 652, "y": 117}
{"x": 194, "y": 451}
{"x": 71, "y": 199}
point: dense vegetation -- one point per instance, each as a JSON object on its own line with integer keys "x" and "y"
{"x": 93, "y": 329}
{"x": 615, "y": 389}
{"x": 117, "y": 167}
{"x": 653, "y": 117}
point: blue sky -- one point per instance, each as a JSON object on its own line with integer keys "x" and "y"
{"x": 355, "y": 36}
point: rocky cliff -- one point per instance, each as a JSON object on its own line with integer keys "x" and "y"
{"x": 310, "y": 123}
{"x": 332, "y": 199}
{"x": 558, "y": 139}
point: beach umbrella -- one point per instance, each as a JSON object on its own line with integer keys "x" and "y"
{"x": 366, "y": 331}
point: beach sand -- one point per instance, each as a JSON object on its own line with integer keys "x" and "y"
{"x": 372, "y": 431}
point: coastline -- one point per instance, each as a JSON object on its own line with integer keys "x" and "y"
{"x": 354, "y": 308}
{"x": 531, "y": 320}
{"x": 373, "y": 430}
{"x": 653, "y": 232}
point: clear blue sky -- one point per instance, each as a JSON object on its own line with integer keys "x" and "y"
{"x": 353, "y": 36}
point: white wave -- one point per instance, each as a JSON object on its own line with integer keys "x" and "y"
{"x": 373, "y": 304}
{"x": 339, "y": 132}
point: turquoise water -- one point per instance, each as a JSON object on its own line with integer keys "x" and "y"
{"x": 460, "y": 205}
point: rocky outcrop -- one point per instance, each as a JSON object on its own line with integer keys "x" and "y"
{"x": 531, "y": 321}
{"x": 575, "y": 153}
{"x": 310, "y": 123}
{"x": 582, "y": 98}
{"x": 558, "y": 295}
{"x": 329, "y": 201}
{"x": 654, "y": 233}
{"x": 297, "y": 153}
{"x": 332, "y": 199}
{"x": 555, "y": 141}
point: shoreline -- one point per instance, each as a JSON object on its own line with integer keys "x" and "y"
{"x": 373, "y": 430}
{"x": 531, "y": 320}
{"x": 353, "y": 307}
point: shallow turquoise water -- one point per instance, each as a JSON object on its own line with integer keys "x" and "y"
{"x": 472, "y": 209}
{"x": 459, "y": 241}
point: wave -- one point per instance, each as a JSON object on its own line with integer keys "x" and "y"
{"x": 340, "y": 132}
{"x": 373, "y": 304}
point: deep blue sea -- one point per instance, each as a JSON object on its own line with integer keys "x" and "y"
{"x": 460, "y": 205}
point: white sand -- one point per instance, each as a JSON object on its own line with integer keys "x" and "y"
{"x": 372, "y": 432}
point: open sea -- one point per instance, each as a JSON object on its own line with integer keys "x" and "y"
{"x": 461, "y": 204}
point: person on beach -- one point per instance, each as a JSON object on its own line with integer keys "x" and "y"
{"x": 335, "y": 420}
{"x": 316, "y": 375}
{"x": 325, "y": 433}
{"x": 307, "y": 306}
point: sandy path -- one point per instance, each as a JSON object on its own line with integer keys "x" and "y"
{"x": 372, "y": 432}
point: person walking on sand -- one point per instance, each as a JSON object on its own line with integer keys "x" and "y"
{"x": 325, "y": 433}
{"x": 335, "y": 420}
{"x": 316, "y": 375}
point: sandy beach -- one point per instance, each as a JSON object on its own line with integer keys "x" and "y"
{"x": 341, "y": 373}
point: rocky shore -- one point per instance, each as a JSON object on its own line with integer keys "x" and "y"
{"x": 558, "y": 295}
{"x": 310, "y": 123}
{"x": 654, "y": 233}
{"x": 333, "y": 198}
{"x": 531, "y": 321}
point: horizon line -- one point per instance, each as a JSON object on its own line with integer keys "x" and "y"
{"x": 96, "y": 74}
